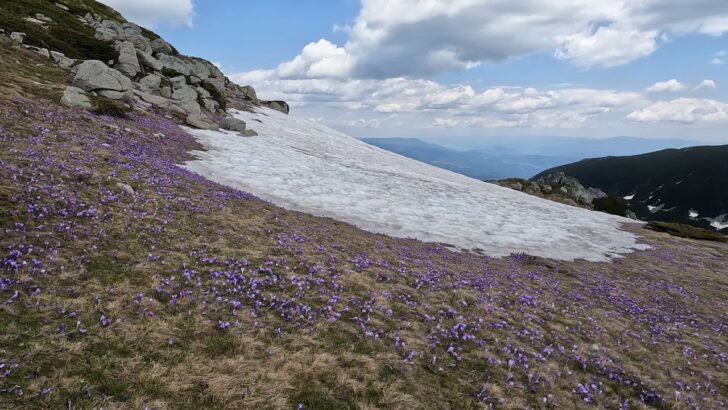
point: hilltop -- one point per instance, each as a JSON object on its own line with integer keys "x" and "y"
{"x": 688, "y": 185}
{"x": 129, "y": 281}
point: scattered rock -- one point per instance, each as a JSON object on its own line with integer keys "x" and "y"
{"x": 93, "y": 75}
{"x": 202, "y": 122}
{"x": 126, "y": 188}
{"x": 128, "y": 63}
{"x": 174, "y": 64}
{"x": 18, "y": 37}
{"x": 42, "y": 17}
{"x": 33, "y": 20}
{"x": 76, "y": 97}
{"x": 150, "y": 83}
{"x": 249, "y": 133}
{"x": 153, "y": 99}
{"x": 161, "y": 46}
{"x": 185, "y": 94}
{"x": 116, "y": 95}
{"x": 281, "y": 106}
{"x": 249, "y": 93}
{"x": 233, "y": 124}
{"x": 147, "y": 60}
{"x": 42, "y": 51}
{"x": 62, "y": 6}
{"x": 62, "y": 60}
{"x": 178, "y": 82}
{"x": 165, "y": 92}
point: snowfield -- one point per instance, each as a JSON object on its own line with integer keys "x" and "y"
{"x": 302, "y": 165}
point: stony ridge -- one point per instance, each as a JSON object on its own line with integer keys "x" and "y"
{"x": 148, "y": 74}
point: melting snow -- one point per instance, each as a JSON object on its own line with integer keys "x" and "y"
{"x": 655, "y": 209}
{"x": 719, "y": 222}
{"x": 302, "y": 165}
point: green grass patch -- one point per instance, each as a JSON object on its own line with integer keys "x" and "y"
{"x": 686, "y": 231}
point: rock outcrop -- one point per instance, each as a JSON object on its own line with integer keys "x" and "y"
{"x": 94, "y": 75}
{"x": 557, "y": 187}
{"x": 570, "y": 187}
{"x": 150, "y": 73}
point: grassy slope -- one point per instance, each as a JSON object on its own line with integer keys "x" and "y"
{"x": 122, "y": 301}
{"x": 67, "y": 33}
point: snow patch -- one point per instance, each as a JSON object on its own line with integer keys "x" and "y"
{"x": 655, "y": 208}
{"x": 720, "y": 222}
{"x": 303, "y": 165}
{"x": 693, "y": 214}
{"x": 629, "y": 197}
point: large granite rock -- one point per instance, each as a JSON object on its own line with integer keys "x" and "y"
{"x": 233, "y": 124}
{"x": 161, "y": 46}
{"x": 76, "y": 97}
{"x": 148, "y": 61}
{"x": 174, "y": 64}
{"x": 201, "y": 121}
{"x": 128, "y": 63}
{"x": 94, "y": 75}
{"x": 281, "y": 106}
{"x": 150, "y": 83}
{"x": 248, "y": 92}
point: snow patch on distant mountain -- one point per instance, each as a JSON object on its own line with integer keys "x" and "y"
{"x": 719, "y": 222}
{"x": 302, "y": 165}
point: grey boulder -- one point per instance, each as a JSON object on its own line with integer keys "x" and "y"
{"x": 128, "y": 63}
{"x": 62, "y": 60}
{"x": 281, "y": 106}
{"x": 201, "y": 121}
{"x": 233, "y": 124}
{"x": 18, "y": 37}
{"x": 76, "y": 97}
{"x": 150, "y": 83}
{"x": 161, "y": 46}
{"x": 93, "y": 75}
{"x": 148, "y": 61}
{"x": 174, "y": 64}
{"x": 249, "y": 93}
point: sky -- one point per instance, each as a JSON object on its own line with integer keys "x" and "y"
{"x": 469, "y": 68}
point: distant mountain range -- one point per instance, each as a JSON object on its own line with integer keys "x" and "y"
{"x": 522, "y": 157}
{"x": 688, "y": 185}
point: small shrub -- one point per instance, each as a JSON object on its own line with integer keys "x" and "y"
{"x": 113, "y": 108}
{"x": 612, "y": 205}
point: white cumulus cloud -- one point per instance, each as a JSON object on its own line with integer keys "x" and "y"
{"x": 150, "y": 13}
{"x": 670, "y": 85}
{"x": 683, "y": 110}
{"x": 393, "y": 38}
{"x": 705, "y": 84}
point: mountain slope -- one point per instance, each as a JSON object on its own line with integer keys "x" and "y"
{"x": 306, "y": 166}
{"x": 475, "y": 164}
{"x": 688, "y": 185}
{"x": 128, "y": 282}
